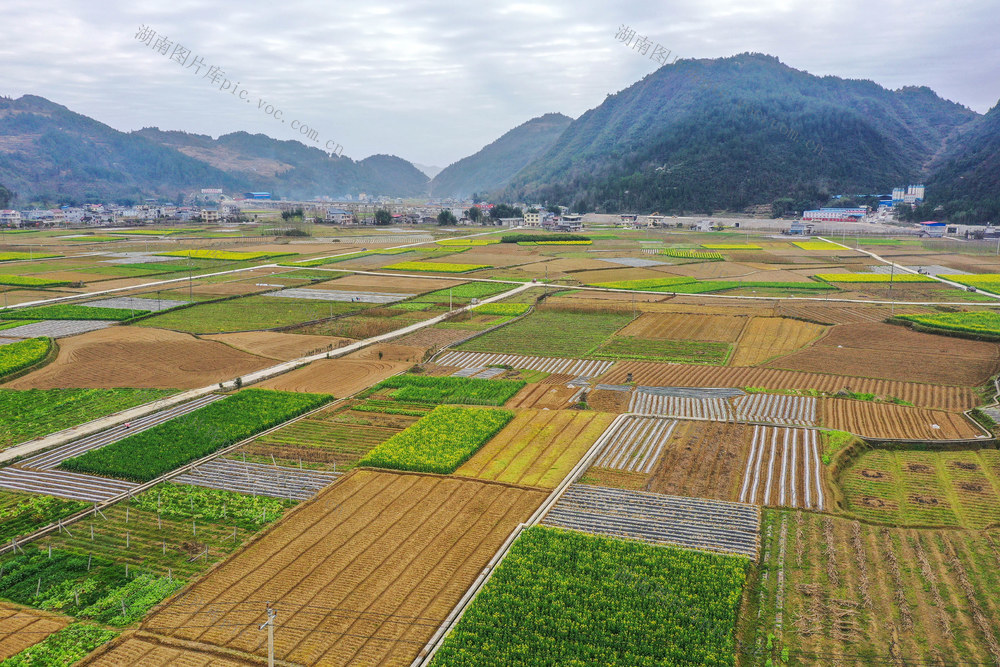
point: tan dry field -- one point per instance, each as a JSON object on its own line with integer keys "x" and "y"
{"x": 74, "y": 276}
{"x": 654, "y": 374}
{"x": 891, "y": 352}
{"x": 490, "y": 258}
{"x": 616, "y": 274}
{"x": 895, "y": 422}
{"x": 609, "y": 400}
{"x": 339, "y": 377}
{"x": 702, "y": 460}
{"x": 688, "y": 326}
{"x": 225, "y": 289}
{"x": 139, "y": 357}
{"x": 389, "y": 352}
{"x": 537, "y": 448}
{"x": 279, "y": 346}
{"x": 391, "y": 284}
{"x": 550, "y": 396}
{"x": 345, "y": 567}
{"x": 768, "y": 337}
{"x": 714, "y": 270}
{"x": 841, "y": 313}
{"x": 14, "y": 297}
{"x": 431, "y": 338}
{"x": 21, "y": 627}
{"x": 148, "y": 650}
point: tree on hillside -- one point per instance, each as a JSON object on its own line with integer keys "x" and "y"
{"x": 554, "y": 209}
{"x": 505, "y": 211}
{"x": 383, "y": 217}
{"x": 475, "y": 214}
{"x": 446, "y": 217}
{"x": 6, "y": 196}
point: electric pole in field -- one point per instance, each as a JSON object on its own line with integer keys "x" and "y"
{"x": 269, "y": 624}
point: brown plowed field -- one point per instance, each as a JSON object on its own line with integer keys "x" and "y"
{"x": 654, "y": 374}
{"x": 897, "y": 422}
{"x": 884, "y": 351}
{"x": 703, "y": 460}
{"x": 151, "y": 651}
{"x": 14, "y": 297}
{"x": 538, "y": 448}
{"x": 687, "y": 326}
{"x": 280, "y": 346}
{"x": 432, "y": 338}
{"x": 139, "y": 357}
{"x": 713, "y": 270}
{"x": 389, "y": 352}
{"x": 21, "y": 627}
{"x": 768, "y": 337}
{"x": 340, "y": 377}
{"x": 362, "y": 575}
{"x": 840, "y": 313}
{"x": 553, "y": 397}
{"x": 608, "y": 400}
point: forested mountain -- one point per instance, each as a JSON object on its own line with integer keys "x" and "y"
{"x": 493, "y": 166}
{"x": 293, "y": 169}
{"x": 701, "y": 135}
{"x": 967, "y": 181}
{"x": 49, "y": 154}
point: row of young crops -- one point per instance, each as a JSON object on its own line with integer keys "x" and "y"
{"x": 147, "y": 455}
{"x": 436, "y": 390}
{"x": 565, "y": 598}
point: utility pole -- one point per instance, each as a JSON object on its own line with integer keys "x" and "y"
{"x": 269, "y": 624}
{"x": 892, "y": 274}
{"x": 450, "y": 306}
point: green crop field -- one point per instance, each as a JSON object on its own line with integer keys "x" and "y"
{"x": 248, "y": 314}
{"x": 462, "y": 293}
{"x": 565, "y": 598}
{"x": 676, "y": 351}
{"x": 63, "y": 647}
{"x": 920, "y": 488}
{"x": 551, "y": 333}
{"x": 505, "y": 309}
{"x": 226, "y": 255}
{"x": 437, "y": 390}
{"x": 34, "y": 413}
{"x": 15, "y": 357}
{"x": 28, "y": 281}
{"x": 71, "y": 312}
{"x": 979, "y": 322}
{"x": 18, "y": 256}
{"x": 24, "y": 513}
{"x": 439, "y": 442}
{"x": 147, "y": 455}
{"x": 435, "y": 267}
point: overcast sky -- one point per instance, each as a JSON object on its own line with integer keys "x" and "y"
{"x": 433, "y": 81}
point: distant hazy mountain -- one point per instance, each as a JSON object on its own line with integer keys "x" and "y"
{"x": 293, "y": 169}
{"x": 493, "y": 166}
{"x": 430, "y": 170}
{"x": 699, "y": 135}
{"x": 51, "y": 154}
{"x": 967, "y": 180}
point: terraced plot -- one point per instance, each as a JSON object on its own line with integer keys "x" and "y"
{"x": 686, "y": 326}
{"x": 708, "y": 525}
{"x": 784, "y": 469}
{"x": 537, "y": 448}
{"x": 372, "y": 549}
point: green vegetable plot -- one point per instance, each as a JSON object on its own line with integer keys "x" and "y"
{"x": 436, "y": 390}
{"x": 565, "y": 598}
{"x": 16, "y": 357}
{"x": 68, "y": 312}
{"x": 64, "y": 647}
{"x": 439, "y": 442}
{"x": 149, "y": 454}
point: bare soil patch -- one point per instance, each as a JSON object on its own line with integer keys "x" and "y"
{"x": 340, "y": 377}
{"x": 280, "y": 346}
{"x": 687, "y": 326}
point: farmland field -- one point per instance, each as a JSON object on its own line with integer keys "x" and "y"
{"x": 537, "y": 448}
{"x": 579, "y": 333}
{"x": 765, "y": 338}
{"x": 895, "y": 422}
{"x": 390, "y": 545}
{"x": 565, "y": 598}
{"x": 249, "y": 313}
{"x": 37, "y": 412}
{"x": 686, "y": 326}
{"x": 922, "y": 488}
{"x": 871, "y": 595}
{"x": 338, "y": 377}
{"x": 21, "y": 628}
{"x": 15, "y": 357}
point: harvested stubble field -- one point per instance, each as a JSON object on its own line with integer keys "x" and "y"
{"x": 538, "y": 448}
{"x": 684, "y": 375}
{"x": 882, "y": 351}
{"x": 689, "y": 326}
{"x": 139, "y": 358}
{"x": 384, "y": 545}
{"x": 839, "y": 313}
{"x": 921, "y": 488}
{"x": 872, "y": 595}
{"x": 767, "y": 337}
{"x": 547, "y": 396}
{"x": 21, "y": 627}
{"x": 895, "y": 422}
{"x": 339, "y": 377}
{"x": 278, "y": 346}
{"x": 153, "y": 651}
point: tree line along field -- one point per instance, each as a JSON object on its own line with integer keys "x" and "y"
{"x": 925, "y": 488}
{"x": 832, "y": 589}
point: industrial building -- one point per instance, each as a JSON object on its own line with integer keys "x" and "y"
{"x": 836, "y": 214}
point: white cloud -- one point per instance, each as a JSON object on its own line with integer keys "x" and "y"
{"x": 434, "y": 80}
